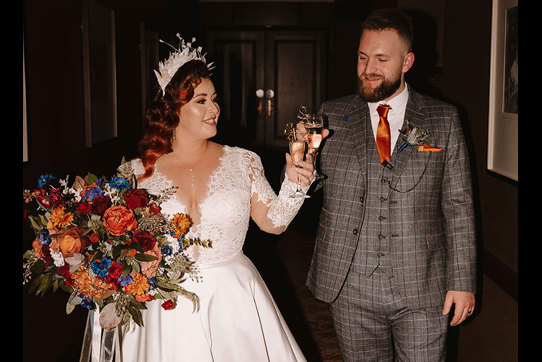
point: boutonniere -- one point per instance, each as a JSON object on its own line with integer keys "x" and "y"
{"x": 415, "y": 137}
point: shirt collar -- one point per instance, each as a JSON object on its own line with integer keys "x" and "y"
{"x": 398, "y": 102}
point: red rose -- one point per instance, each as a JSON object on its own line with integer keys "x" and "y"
{"x": 136, "y": 198}
{"x": 84, "y": 208}
{"x": 143, "y": 238}
{"x": 167, "y": 305}
{"x": 115, "y": 270}
{"x": 100, "y": 204}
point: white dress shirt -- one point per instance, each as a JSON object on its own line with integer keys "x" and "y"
{"x": 396, "y": 115}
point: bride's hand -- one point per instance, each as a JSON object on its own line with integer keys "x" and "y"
{"x": 305, "y": 170}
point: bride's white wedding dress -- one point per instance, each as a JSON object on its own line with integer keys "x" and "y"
{"x": 238, "y": 320}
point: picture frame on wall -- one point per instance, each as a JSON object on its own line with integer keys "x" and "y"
{"x": 99, "y": 72}
{"x": 25, "y": 127}
{"x": 502, "y": 157}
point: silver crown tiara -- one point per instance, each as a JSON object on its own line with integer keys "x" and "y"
{"x": 181, "y": 56}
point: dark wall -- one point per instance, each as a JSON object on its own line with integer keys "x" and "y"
{"x": 54, "y": 86}
{"x": 56, "y": 129}
{"x": 466, "y": 73}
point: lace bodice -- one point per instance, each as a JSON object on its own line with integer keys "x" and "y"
{"x": 225, "y": 211}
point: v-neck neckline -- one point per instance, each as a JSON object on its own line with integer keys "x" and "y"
{"x": 212, "y": 175}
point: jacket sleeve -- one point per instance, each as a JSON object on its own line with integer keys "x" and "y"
{"x": 458, "y": 211}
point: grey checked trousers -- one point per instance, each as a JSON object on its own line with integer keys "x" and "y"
{"x": 373, "y": 324}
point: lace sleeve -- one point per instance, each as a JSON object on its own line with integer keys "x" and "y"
{"x": 281, "y": 208}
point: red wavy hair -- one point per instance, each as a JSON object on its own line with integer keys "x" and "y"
{"x": 162, "y": 115}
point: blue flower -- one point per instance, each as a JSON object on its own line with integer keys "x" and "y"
{"x": 91, "y": 193}
{"x": 119, "y": 183}
{"x": 86, "y": 302}
{"x": 152, "y": 283}
{"x": 125, "y": 280}
{"x": 44, "y": 179}
{"x": 166, "y": 250}
{"x": 44, "y": 237}
{"x": 100, "y": 268}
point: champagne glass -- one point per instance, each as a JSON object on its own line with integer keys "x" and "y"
{"x": 297, "y": 151}
{"x": 314, "y": 126}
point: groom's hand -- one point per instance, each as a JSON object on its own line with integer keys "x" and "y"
{"x": 464, "y": 305}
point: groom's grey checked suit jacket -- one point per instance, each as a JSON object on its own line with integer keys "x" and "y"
{"x": 428, "y": 238}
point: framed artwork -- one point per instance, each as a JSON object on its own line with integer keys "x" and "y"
{"x": 99, "y": 72}
{"x": 502, "y": 157}
{"x": 25, "y": 130}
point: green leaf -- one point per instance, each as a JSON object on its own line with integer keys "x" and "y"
{"x": 90, "y": 179}
{"x": 35, "y": 283}
{"x": 145, "y": 257}
{"x": 43, "y": 220}
{"x": 66, "y": 288}
{"x": 34, "y": 224}
{"x": 46, "y": 283}
{"x": 136, "y": 315}
{"x": 126, "y": 269}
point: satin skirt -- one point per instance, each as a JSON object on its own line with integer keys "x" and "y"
{"x": 238, "y": 321}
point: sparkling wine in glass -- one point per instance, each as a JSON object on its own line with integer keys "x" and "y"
{"x": 297, "y": 151}
{"x": 314, "y": 125}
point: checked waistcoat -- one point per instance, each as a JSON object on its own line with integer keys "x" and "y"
{"x": 373, "y": 249}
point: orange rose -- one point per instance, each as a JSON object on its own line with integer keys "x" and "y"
{"x": 119, "y": 219}
{"x": 36, "y": 245}
{"x": 68, "y": 242}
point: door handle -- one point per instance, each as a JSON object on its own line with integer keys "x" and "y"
{"x": 270, "y": 95}
{"x": 259, "y": 95}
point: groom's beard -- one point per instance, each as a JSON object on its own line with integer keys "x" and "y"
{"x": 383, "y": 91}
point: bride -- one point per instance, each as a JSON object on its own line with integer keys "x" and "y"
{"x": 221, "y": 188}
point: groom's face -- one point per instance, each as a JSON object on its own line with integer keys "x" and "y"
{"x": 383, "y": 58}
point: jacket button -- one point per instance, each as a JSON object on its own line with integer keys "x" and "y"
{"x": 361, "y": 199}
{"x": 380, "y": 236}
{"x": 355, "y": 231}
{"x": 379, "y": 254}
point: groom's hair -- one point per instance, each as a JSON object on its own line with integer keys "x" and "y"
{"x": 382, "y": 19}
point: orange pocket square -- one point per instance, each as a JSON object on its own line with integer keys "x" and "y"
{"x": 427, "y": 148}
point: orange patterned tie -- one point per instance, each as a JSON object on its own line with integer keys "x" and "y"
{"x": 383, "y": 143}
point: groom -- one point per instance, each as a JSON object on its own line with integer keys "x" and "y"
{"x": 395, "y": 246}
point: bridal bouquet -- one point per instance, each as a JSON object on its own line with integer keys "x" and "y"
{"x": 107, "y": 244}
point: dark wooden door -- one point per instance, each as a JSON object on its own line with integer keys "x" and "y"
{"x": 262, "y": 77}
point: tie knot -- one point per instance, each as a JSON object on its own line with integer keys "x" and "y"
{"x": 383, "y": 109}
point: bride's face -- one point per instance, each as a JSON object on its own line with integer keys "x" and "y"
{"x": 198, "y": 118}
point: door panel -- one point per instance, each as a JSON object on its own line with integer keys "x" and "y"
{"x": 239, "y": 68}
{"x": 262, "y": 77}
{"x": 294, "y": 69}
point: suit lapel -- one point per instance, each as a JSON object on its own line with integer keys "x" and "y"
{"x": 415, "y": 116}
{"x": 358, "y": 115}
